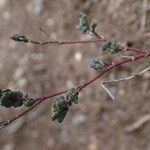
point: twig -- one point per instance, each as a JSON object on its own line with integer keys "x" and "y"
{"x": 81, "y": 86}
{"x": 99, "y": 38}
{"x": 4, "y": 123}
{"x": 111, "y": 66}
{"x": 67, "y": 42}
{"x": 143, "y": 20}
{"x": 134, "y": 50}
{"x": 126, "y": 56}
{"x": 138, "y": 124}
{"x": 147, "y": 35}
{"x": 46, "y": 33}
{"x": 127, "y": 78}
{"x": 39, "y": 100}
{"x": 108, "y": 92}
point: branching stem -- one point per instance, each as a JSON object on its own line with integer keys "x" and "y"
{"x": 79, "y": 87}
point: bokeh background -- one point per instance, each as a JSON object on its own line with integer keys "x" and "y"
{"x": 95, "y": 123}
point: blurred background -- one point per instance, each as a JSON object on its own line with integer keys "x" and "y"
{"x": 95, "y": 123}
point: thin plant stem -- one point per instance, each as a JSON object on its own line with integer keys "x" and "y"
{"x": 79, "y": 87}
{"x": 67, "y": 42}
{"x": 127, "y": 78}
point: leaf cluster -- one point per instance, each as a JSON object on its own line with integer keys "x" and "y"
{"x": 61, "y": 105}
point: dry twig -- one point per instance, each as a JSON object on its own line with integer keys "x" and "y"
{"x": 138, "y": 124}
{"x": 143, "y": 20}
{"x": 127, "y": 78}
{"x": 108, "y": 91}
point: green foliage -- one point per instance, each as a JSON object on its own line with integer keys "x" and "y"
{"x": 72, "y": 96}
{"x": 61, "y": 105}
{"x": 29, "y": 102}
{"x": 10, "y": 98}
{"x": 96, "y": 63}
{"x": 19, "y": 37}
{"x": 59, "y": 109}
{"x": 111, "y": 47}
{"x": 85, "y": 24}
{"x": 62, "y": 115}
{"x": 18, "y": 103}
{"x": 4, "y": 101}
{"x": 93, "y": 27}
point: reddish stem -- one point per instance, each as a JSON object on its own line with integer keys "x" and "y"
{"x": 111, "y": 67}
{"x": 68, "y": 42}
{"x": 79, "y": 88}
{"x": 135, "y": 50}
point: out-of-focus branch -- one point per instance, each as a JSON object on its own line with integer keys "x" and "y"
{"x": 135, "y": 126}
{"x": 108, "y": 91}
{"x": 144, "y": 16}
{"x": 80, "y": 87}
{"x": 127, "y": 78}
{"x": 65, "y": 102}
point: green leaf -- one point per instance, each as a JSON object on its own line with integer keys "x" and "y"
{"x": 5, "y": 101}
{"x": 93, "y": 27}
{"x": 84, "y": 23}
{"x": 72, "y": 96}
{"x": 55, "y": 115}
{"x": 106, "y": 46}
{"x": 1, "y": 92}
{"x": 111, "y": 47}
{"x": 59, "y": 109}
{"x": 6, "y": 91}
{"x": 19, "y": 94}
{"x": 10, "y": 98}
{"x": 17, "y": 103}
{"x": 29, "y": 103}
{"x": 19, "y": 37}
{"x": 60, "y": 102}
{"x": 61, "y": 116}
{"x": 96, "y": 63}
